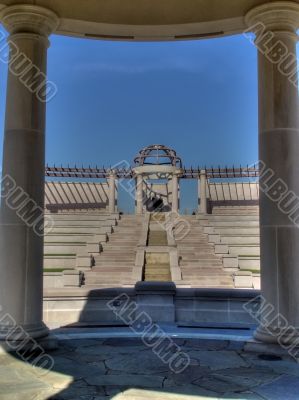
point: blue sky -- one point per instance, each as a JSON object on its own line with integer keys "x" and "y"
{"x": 199, "y": 97}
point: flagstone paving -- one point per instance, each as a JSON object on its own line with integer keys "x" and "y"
{"x": 125, "y": 369}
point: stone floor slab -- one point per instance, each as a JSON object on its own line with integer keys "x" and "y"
{"x": 127, "y": 370}
{"x": 285, "y": 387}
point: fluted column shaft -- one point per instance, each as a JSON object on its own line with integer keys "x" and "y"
{"x": 279, "y": 163}
{"x": 21, "y": 236}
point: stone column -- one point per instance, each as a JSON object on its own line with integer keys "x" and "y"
{"x": 112, "y": 190}
{"x": 279, "y": 160}
{"x": 21, "y": 240}
{"x": 203, "y": 192}
{"x": 139, "y": 194}
{"x": 175, "y": 193}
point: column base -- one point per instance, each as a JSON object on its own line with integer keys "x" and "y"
{"x": 272, "y": 349}
{"x": 46, "y": 344}
{"x": 284, "y": 337}
{"x": 21, "y": 332}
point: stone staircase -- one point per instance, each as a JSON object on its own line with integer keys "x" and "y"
{"x": 234, "y": 231}
{"x": 199, "y": 264}
{"x": 157, "y": 267}
{"x": 114, "y": 265}
{"x": 74, "y": 234}
{"x": 157, "y": 263}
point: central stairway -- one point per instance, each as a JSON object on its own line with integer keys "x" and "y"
{"x": 157, "y": 262}
{"x": 200, "y": 266}
{"x": 114, "y": 265}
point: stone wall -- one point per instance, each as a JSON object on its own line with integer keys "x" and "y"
{"x": 68, "y": 193}
{"x": 233, "y": 191}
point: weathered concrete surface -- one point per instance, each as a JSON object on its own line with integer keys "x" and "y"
{"x": 120, "y": 369}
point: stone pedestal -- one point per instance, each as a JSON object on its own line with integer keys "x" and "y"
{"x": 21, "y": 241}
{"x": 278, "y": 154}
{"x": 112, "y": 194}
{"x": 157, "y": 300}
{"x": 139, "y": 194}
{"x": 175, "y": 193}
{"x": 203, "y": 192}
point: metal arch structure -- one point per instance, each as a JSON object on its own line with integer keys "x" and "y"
{"x": 157, "y": 154}
{"x": 127, "y": 173}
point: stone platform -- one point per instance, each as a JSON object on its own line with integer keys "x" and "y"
{"x": 125, "y": 369}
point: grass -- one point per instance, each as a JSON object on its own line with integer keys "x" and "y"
{"x": 58, "y": 269}
{"x": 59, "y": 255}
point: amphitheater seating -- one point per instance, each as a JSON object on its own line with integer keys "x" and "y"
{"x": 235, "y": 233}
{"x": 114, "y": 265}
{"x": 199, "y": 264}
{"x": 75, "y": 236}
{"x": 221, "y": 250}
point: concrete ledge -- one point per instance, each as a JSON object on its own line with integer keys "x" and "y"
{"x": 83, "y": 261}
{"x": 137, "y": 273}
{"x": 214, "y": 238}
{"x": 191, "y": 307}
{"x": 221, "y": 249}
{"x": 176, "y": 272}
{"x": 144, "y": 231}
{"x": 209, "y": 230}
{"x": 155, "y": 287}
{"x": 230, "y": 263}
{"x": 219, "y": 293}
{"x": 68, "y": 278}
{"x": 72, "y": 278}
{"x": 156, "y": 299}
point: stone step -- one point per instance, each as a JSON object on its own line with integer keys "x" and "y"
{"x": 238, "y": 250}
{"x": 237, "y": 230}
{"x": 89, "y": 219}
{"x": 250, "y": 263}
{"x": 112, "y": 245}
{"x": 116, "y": 255}
{"x": 230, "y": 224}
{"x": 209, "y": 281}
{"x": 109, "y": 283}
{"x": 196, "y": 250}
{"x": 202, "y": 258}
{"x": 209, "y": 254}
{"x": 206, "y": 286}
{"x": 64, "y": 248}
{"x": 106, "y": 275}
{"x": 157, "y": 270}
{"x": 112, "y": 269}
{"x": 232, "y": 217}
{"x": 59, "y": 261}
{"x": 74, "y": 238}
{"x": 240, "y": 239}
{"x": 196, "y": 272}
{"x": 86, "y": 224}
{"x": 81, "y": 230}
{"x": 157, "y": 278}
{"x": 113, "y": 263}
{"x": 237, "y": 207}
{"x": 199, "y": 265}
{"x": 235, "y": 212}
